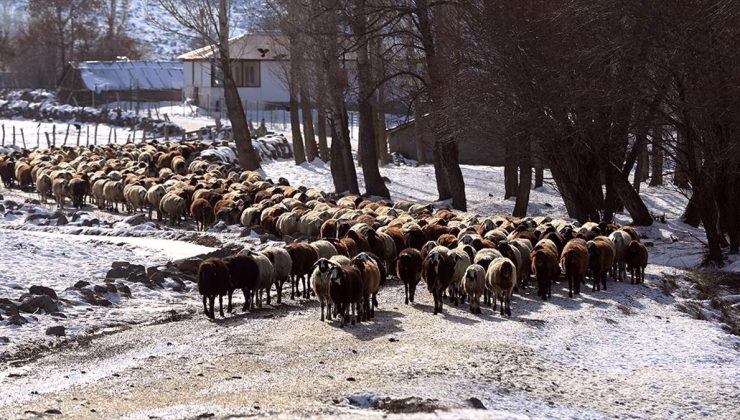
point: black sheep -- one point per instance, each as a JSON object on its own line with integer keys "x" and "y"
{"x": 345, "y": 290}
{"x": 213, "y": 280}
{"x": 244, "y": 275}
{"x": 437, "y": 270}
{"x": 408, "y": 269}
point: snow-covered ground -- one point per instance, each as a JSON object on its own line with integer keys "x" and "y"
{"x": 626, "y": 352}
{"x": 35, "y": 133}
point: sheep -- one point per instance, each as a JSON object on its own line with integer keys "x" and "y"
{"x": 413, "y": 236}
{"x": 484, "y": 258}
{"x": 79, "y": 188}
{"x": 320, "y": 282}
{"x": 113, "y": 193}
{"x": 545, "y": 268}
{"x": 329, "y": 229}
{"x": 600, "y": 260}
{"x": 304, "y": 256}
{"x": 408, "y": 269}
{"x": 524, "y": 246}
{"x": 324, "y": 248}
{"x": 370, "y": 273}
{"x": 244, "y": 274}
{"x": 213, "y": 280}
{"x": 154, "y": 196}
{"x": 97, "y": 192}
{"x": 632, "y": 232}
{"x": 281, "y": 263}
{"x": 397, "y": 235}
{"x": 173, "y": 206}
{"x": 462, "y": 261}
{"x": 636, "y": 258}
{"x": 621, "y": 241}
{"x": 574, "y": 262}
{"x": 59, "y": 190}
{"x": 266, "y": 274}
{"x": 510, "y": 251}
{"x": 7, "y": 172}
{"x": 135, "y": 197}
{"x": 202, "y": 212}
{"x": 43, "y": 186}
{"x": 345, "y": 291}
{"x": 447, "y": 240}
{"x": 500, "y": 280}
{"x": 288, "y": 223}
{"x": 23, "y": 175}
{"x": 474, "y": 285}
{"x": 382, "y": 245}
{"x": 437, "y": 270}
{"x": 250, "y": 217}
{"x": 178, "y": 165}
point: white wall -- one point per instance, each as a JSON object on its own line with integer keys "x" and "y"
{"x": 272, "y": 89}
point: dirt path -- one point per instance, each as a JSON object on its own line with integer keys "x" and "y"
{"x": 626, "y": 352}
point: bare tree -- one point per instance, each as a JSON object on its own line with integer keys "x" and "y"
{"x": 210, "y": 22}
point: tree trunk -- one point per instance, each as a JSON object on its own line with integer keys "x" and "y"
{"x": 374, "y": 185}
{"x": 448, "y": 155}
{"x": 309, "y": 138}
{"x": 421, "y": 152}
{"x": 539, "y": 172}
{"x": 657, "y": 162}
{"x": 630, "y": 198}
{"x": 323, "y": 144}
{"x": 511, "y": 183}
{"x": 680, "y": 174}
{"x": 525, "y": 179}
{"x": 691, "y": 215}
{"x": 248, "y": 157}
{"x": 450, "y": 182}
{"x": 337, "y": 164}
{"x": 708, "y": 212}
{"x": 299, "y": 153}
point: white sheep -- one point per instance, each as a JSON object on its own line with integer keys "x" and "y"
{"x": 474, "y": 285}
{"x": 501, "y": 280}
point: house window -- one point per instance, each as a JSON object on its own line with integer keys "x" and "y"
{"x": 246, "y": 74}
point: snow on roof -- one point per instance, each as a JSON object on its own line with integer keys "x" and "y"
{"x": 124, "y": 75}
{"x": 248, "y": 46}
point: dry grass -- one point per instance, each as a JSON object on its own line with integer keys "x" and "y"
{"x": 712, "y": 285}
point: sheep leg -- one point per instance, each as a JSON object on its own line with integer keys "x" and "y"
{"x": 328, "y": 310}
{"x": 406, "y": 292}
{"x": 508, "y": 304}
{"x": 570, "y": 285}
{"x": 246, "y": 299}
{"x": 292, "y": 287}
{"x": 603, "y": 282}
{"x": 221, "y": 305}
{"x": 228, "y": 309}
{"x": 279, "y": 289}
{"x": 322, "y": 310}
{"x": 355, "y": 312}
{"x": 375, "y": 301}
{"x": 502, "y": 302}
{"x": 205, "y": 306}
{"x": 211, "y": 302}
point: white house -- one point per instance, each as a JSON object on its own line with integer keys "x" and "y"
{"x": 259, "y": 61}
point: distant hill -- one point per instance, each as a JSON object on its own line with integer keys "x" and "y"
{"x": 163, "y": 45}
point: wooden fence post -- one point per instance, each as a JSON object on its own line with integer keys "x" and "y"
{"x": 95, "y": 135}
{"x": 23, "y": 138}
{"x": 48, "y": 143}
{"x": 54, "y": 135}
{"x": 3, "y": 143}
{"x": 79, "y": 133}
{"x": 13, "y": 135}
{"x": 65, "y": 136}
{"x": 87, "y": 135}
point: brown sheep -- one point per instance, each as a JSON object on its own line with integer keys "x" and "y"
{"x": 328, "y": 229}
{"x": 7, "y": 172}
{"x": 437, "y": 271}
{"x": 574, "y": 262}
{"x": 23, "y": 175}
{"x": 600, "y": 260}
{"x": 408, "y": 269}
{"x": 303, "y": 256}
{"x": 370, "y": 273}
{"x": 447, "y": 240}
{"x": 414, "y": 238}
{"x": 636, "y": 257}
{"x": 500, "y": 280}
{"x": 202, "y": 211}
{"x": 79, "y": 188}
{"x": 546, "y": 270}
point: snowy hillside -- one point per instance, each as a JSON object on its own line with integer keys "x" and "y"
{"x": 147, "y": 19}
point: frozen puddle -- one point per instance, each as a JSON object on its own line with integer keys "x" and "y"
{"x": 60, "y": 261}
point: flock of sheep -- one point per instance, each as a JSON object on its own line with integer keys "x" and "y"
{"x": 339, "y": 248}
